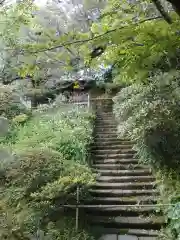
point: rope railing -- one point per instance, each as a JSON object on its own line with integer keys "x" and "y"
{"x": 115, "y": 206}
{"x": 78, "y": 206}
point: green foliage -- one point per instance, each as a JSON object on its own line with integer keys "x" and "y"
{"x": 150, "y": 115}
{"x": 135, "y": 51}
{"x": 49, "y": 161}
{"x": 151, "y": 112}
{"x": 168, "y": 183}
{"x": 10, "y": 103}
{"x": 20, "y": 119}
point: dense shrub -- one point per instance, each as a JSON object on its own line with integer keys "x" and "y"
{"x": 10, "y": 103}
{"x": 49, "y": 161}
{"x": 169, "y": 186}
{"x": 150, "y": 115}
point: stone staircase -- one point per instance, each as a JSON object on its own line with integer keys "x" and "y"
{"x": 123, "y": 185}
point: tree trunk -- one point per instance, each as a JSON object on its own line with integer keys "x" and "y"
{"x": 176, "y": 5}
{"x": 160, "y": 8}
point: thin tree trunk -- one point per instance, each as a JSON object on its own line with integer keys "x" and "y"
{"x": 176, "y": 5}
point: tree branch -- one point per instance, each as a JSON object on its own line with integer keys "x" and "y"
{"x": 160, "y": 8}
{"x": 2, "y": 2}
{"x": 65, "y": 44}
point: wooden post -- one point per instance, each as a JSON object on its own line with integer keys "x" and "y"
{"x": 88, "y": 101}
{"x": 77, "y": 208}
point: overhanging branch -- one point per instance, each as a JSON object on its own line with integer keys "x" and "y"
{"x": 65, "y": 44}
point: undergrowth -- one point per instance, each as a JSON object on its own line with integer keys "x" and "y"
{"x": 149, "y": 114}
{"x": 48, "y": 161}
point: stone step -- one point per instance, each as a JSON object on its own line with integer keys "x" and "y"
{"x": 113, "y": 147}
{"x": 105, "y": 135}
{"x": 141, "y": 234}
{"x": 104, "y": 122}
{"x": 105, "y": 116}
{"x": 104, "y": 172}
{"x": 123, "y": 200}
{"x": 126, "y": 186}
{"x": 125, "y": 179}
{"x": 119, "y": 166}
{"x": 148, "y": 223}
{"x": 105, "y": 131}
{"x": 105, "y": 125}
{"x": 114, "y": 151}
{"x": 107, "y": 142}
{"x": 112, "y": 140}
{"x": 116, "y": 161}
{"x": 115, "y": 156}
{"x": 122, "y": 192}
{"x": 100, "y": 127}
{"x": 126, "y": 211}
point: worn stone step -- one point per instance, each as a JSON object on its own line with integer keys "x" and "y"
{"x": 105, "y": 131}
{"x": 123, "y": 200}
{"x": 128, "y": 185}
{"x": 122, "y": 192}
{"x": 120, "y": 140}
{"x": 111, "y": 147}
{"x": 106, "y": 138}
{"x": 140, "y": 233}
{"x": 147, "y": 223}
{"x": 105, "y": 117}
{"x": 105, "y": 122}
{"x": 105, "y": 128}
{"x": 116, "y": 161}
{"x": 110, "y": 141}
{"x": 104, "y": 172}
{"x": 124, "y": 237}
{"x": 119, "y": 166}
{"x": 105, "y": 125}
{"x": 114, "y": 151}
{"x": 100, "y": 127}
{"x": 125, "y": 179}
{"x": 105, "y": 135}
{"x": 113, "y": 210}
{"x": 115, "y": 156}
